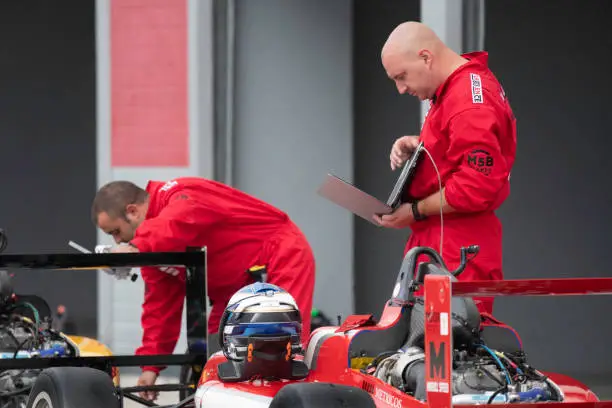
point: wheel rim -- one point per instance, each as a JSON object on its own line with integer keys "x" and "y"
{"x": 42, "y": 400}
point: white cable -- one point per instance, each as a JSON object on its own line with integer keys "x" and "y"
{"x": 441, "y": 201}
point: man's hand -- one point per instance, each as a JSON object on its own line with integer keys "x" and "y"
{"x": 124, "y": 249}
{"x": 147, "y": 378}
{"x": 402, "y": 149}
{"x": 119, "y": 273}
{"x": 402, "y": 217}
{"x": 119, "y": 249}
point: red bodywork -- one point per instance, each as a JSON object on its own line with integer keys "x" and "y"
{"x": 333, "y": 362}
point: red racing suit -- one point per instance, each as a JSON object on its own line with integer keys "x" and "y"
{"x": 238, "y": 230}
{"x": 470, "y": 131}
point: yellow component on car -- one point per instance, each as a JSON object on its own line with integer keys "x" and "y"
{"x": 89, "y": 347}
{"x": 359, "y": 363}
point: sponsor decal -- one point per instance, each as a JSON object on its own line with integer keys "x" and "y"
{"x": 368, "y": 387}
{"x": 444, "y": 324}
{"x": 170, "y": 270}
{"x": 437, "y": 386}
{"x": 481, "y": 161}
{"x": 387, "y": 398}
{"x": 169, "y": 185}
{"x": 476, "y": 84}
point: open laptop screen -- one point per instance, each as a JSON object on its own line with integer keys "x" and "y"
{"x": 365, "y": 205}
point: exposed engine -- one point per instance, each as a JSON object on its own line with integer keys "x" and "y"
{"x": 484, "y": 376}
{"x": 481, "y": 374}
{"x": 24, "y": 334}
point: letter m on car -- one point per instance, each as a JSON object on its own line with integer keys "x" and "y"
{"x": 437, "y": 361}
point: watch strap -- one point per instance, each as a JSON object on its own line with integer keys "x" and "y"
{"x": 415, "y": 211}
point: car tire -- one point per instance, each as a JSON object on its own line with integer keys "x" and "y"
{"x": 186, "y": 377}
{"x": 321, "y": 395}
{"x": 73, "y": 387}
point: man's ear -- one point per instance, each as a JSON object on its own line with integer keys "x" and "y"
{"x": 131, "y": 209}
{"x": 426, "y": 56}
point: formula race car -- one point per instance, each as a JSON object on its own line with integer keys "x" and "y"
{"x": 43, "y": 367}
{"x": 438, "y": 351}
{"x": 435, "y": 350}
{"x": 26, "y": 331}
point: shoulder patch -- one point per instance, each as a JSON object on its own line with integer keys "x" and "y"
{"x": 476, "y": 85}
{"x": 481, "y": 161}
{"x": 169, "y": 185}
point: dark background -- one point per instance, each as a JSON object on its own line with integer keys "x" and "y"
{"x": 556, "y": 70}
{"x": 48, "y": 142}
{"x": 553, "y": 58}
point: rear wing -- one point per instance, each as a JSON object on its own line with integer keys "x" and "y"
{"x": 194, "y": 262}
{"x": 439, "y": 290}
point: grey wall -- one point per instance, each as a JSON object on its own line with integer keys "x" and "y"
{"x": 556, "y": 71}
{"x": 293, "y": 124}
{"x": 47, "y": 141}
{"x": 381, "y": 116}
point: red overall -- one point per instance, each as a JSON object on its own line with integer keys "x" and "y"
{"x": 239, "y": 231}
{"x": 470, "y": 131}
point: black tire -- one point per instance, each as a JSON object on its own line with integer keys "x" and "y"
{"x": 321, "y": 395}
{"x": 188, "y": 376}
{"x": 73, "y": 387}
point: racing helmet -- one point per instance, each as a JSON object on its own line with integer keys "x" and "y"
{"x": 261, "y": 322}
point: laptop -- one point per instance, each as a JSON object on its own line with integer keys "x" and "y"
{"x": 365, "y": 205}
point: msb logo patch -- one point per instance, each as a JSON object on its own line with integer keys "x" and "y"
{"x": 481, "y": 161}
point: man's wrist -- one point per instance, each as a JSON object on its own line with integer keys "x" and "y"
{"x": 153, "y": 369}
{"x": 418, "y": 212}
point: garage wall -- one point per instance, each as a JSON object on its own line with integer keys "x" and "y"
{"x": 381, "y": 115}
{"x": 557, "y": 219}
{"x": 154, "y": 120}
{"x": 48, "y": 144}
{"x": 293, "y": 124}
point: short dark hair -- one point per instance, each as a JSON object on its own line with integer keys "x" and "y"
{"x": 113, "y": 197}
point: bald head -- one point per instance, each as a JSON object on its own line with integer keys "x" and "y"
{"x": 411, "y": 37}
{"x": 417, "y": 60}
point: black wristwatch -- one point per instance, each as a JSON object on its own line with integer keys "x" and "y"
{"x": 415, "y": 212}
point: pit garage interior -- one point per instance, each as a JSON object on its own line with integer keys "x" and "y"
{"x": 269, "y": 96}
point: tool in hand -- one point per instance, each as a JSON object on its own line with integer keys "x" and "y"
{"x": 84, "y": 250}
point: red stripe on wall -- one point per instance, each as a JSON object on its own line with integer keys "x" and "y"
{"x": 149, "y": 100}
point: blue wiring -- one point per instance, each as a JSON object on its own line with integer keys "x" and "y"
{"x": 498, "y": 361}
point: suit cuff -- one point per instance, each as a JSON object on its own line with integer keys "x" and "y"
{"x": 155, "y": 369}
{"x": 141, "y": 244}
